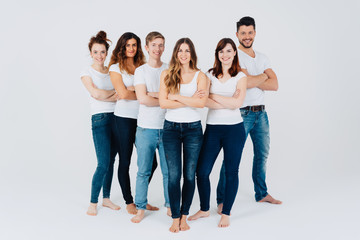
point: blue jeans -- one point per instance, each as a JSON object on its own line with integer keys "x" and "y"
{"x": 257, "y": 124}
{"x": 147, "y": 141}
{"x": 105, "y": 152}
{"x": 232, "y": 139}
{"x": 189, "y": 137}
{"x": 125, "y": 129}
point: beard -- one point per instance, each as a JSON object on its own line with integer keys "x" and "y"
{"x": 242, "y": 44}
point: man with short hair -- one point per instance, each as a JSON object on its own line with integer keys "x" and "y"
{"x": 261, "y": 78}
{"x": 150, "y": 123}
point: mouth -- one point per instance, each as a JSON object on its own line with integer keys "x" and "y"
{"x": 247, "y": 41}
{"x": 225, "y": 59}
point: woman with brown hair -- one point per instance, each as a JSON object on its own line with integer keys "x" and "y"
{"x": 96, "y": 79}
{"x": 183, "y": 90}
{"x": 224, "y": 128}
{"x": 126, "y": 57}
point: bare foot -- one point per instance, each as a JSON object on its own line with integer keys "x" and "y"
{"x": 183, "y": 223}
{"x": 220, "y": 206}
{"x": 110, "y": 204}
{"x": 151, "y": 208}
{"x": 199, "y": 214}
{"x": 224, "y": 221}
{"x": 270, "y": 199}
{"x": 131, "y": 208}
{"x": 175, "y": 227}
{"x": 168, "y": 212}
{"x": 92, "y": 209}
{"x": 139, "y": 216}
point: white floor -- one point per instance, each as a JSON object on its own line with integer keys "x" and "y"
{"x": 52, "y": 205}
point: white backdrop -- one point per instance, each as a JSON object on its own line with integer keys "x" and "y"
{"x": 47, "y": 156}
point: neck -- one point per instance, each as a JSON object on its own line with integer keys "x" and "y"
{"x": 225, "y": 68}
{"x": 248, "y": 51}
{"x": 185, "y": 68}
{"x": 129, "y": 61}
{"x": 98, "y": 67}
{"x": 155, "y": 63}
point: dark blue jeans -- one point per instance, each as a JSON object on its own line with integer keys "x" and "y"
{"x": 187, "y": 136}
{"x": 257, "y": 124}
{"x": 105, "y": 152}
{"x": 124, "y": 131}
{"x": 232, "y": 139}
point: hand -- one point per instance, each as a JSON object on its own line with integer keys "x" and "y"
{"x": 265, "y": 76}
{"x": 93, "y": 85}
{"x": 131, "y": 88}
{"x": 172, "y": 96}
{"x": 199, "y": 94}
{"x": 117, "y": 96}
{"x": 153, "y": 94}
{"x": 236, "y": 93}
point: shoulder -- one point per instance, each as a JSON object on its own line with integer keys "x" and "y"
{"x": 86, "y": 71}
{"x": 164, "y": 72}
{"x": 240, "y": 75}
{"x": 261, "y": 55}
{"x": 115, "y": 68}
{"x": 140, "y": 69}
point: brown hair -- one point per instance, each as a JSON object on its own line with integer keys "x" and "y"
{"x": 217, "y": 70}
{"x": 173, "y": 77}
{"x": 118, "y": 54}
{"x": 100, "y": 38}
{"x": 153, "y": 35}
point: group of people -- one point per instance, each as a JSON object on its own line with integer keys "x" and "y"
{"x": 155, "y": 105}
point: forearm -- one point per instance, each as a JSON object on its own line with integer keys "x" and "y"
{"x": 227, "y": 102}
{"x": 126, "y": 94}
{"x": 269, "y": 85}
{"x": 192, "y": 101}
{"x": 101, "y": 94}
{"x": 149, "y": 101}
{"x": 210, "y": 103}
{"x": 256, "y": 80}
{"x": 170, "y": 104}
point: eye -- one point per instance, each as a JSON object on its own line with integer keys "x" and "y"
{"x": 221, "y": 51}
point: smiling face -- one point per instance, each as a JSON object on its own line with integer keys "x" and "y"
{"x": 184, "y": 54}
{"x": 98, "y": 53}
{"x": 130, "y": 48}
{"x": 227, "y": 54}
{"x": 155, "y": 48}
{"x": 246, "y": 35}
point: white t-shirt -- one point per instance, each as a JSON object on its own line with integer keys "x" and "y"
{"x": 150, "y": 117}
{"x": 254, "y": 66}
{"x": 101, "y": 81}
{"x": 227, "y": 89}
{"x": 185, "y": 114}
{"x": 125, "y": 108}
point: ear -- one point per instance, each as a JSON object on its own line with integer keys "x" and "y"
{"x": 146, "y": 48}
{"x": 237, "y": 34}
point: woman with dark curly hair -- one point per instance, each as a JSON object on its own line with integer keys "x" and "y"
{"x": 126, "y": 57}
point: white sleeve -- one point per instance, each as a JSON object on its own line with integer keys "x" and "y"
{"x": 85, "y": 72}
{"x": 267, "y": 63}
{"x": 139, "y": 77}
{"x": 114, "y": 68}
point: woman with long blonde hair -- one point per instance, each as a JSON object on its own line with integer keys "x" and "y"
{"x": 183, "y": 90}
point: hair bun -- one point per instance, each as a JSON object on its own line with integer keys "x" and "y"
{"x": 101, "y": 35}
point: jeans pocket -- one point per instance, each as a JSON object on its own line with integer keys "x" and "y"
{"x": 98, "y": 117}
{"x": 167, "y": 125}
{"x": 195, "y": 125}
{"x": 244, "y": 113}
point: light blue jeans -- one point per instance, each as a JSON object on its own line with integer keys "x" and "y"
{"x": 147, "y": 141}
{"x": 257, "y": 125}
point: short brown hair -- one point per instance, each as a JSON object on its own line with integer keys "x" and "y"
{"x": 152, "y": 35}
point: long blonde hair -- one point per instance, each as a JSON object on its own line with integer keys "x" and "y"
{"x": 173, "y": 78}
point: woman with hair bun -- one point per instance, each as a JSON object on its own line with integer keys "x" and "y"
{"x": 126, "y": 57}
{"x": 183, "y": 90}
{"x": 96, "y": 80}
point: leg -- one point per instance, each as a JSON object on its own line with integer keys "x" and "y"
{"x": 125, "y": 135}
{"x": 234, "y": 140}
{"x": 109, "y": 174}
{"x": 101, "y": 130}
{"x": 164, "y": 170}
{"x": 172, "y": 149}
{"x": 192, "y": 142}
{"x": 145, "y": 147}
{"x": 209, "y": 151}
